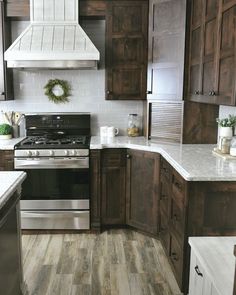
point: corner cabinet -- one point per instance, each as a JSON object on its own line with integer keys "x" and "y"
{"x": 113, "y": 187}
{"x": 126, "y": 50}
{"x": 142, "y": 190}
{"x": 6, "y": 75}
{"x": 212, "y": 52}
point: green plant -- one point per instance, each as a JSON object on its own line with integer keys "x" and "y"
{"x": 5, "y": 129}
{"x": 49, "y": 90}
{"x": 227, "y": 122}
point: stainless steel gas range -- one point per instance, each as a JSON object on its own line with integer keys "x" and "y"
{"x": 55, "y": 155}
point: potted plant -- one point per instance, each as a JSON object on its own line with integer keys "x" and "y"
{"x": 5, "y": 131}
{"x": 226, "y": 126}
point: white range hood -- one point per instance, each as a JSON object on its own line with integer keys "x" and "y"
{"x": 54, "y": 39}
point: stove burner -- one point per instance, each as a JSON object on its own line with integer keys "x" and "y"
{"x": 57, "y": 142}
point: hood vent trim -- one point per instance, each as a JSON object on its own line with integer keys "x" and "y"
{"x": 53, "y": 40}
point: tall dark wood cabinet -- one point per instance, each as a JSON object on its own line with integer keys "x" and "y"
{"x": 6, "y": 160}
{"x": 6, "y": 75}
{"x": 166, "y": 49}
{"x": 212, "y": 57}
{"x": 113, "y": 186}
{"x": 126, "y": 50}
{"x": 142, "y": 190}
{"x": 95, "y": 188}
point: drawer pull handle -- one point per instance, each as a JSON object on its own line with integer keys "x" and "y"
{"x": 174, "y": 256}
{"x": 198, "y": 271}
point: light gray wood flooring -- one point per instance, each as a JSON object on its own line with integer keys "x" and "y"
{"x": 116, "y": 262}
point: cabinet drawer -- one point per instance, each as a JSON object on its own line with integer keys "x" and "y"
{"x": 165, "y": 169}
{"x": 164, "y": 196}
{"x": 176, "y": 258}
{"x": 177, "y": 220}
{"x": 178, "y": 189}
{"x": 114, "y": 158}
{"x": 164, "y": 231}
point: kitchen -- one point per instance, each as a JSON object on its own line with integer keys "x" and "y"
{"x": 118, "y": 214}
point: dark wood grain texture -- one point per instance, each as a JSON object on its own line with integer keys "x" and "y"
{"x": 199, "y": 124}
{"x": 126, "y": 50}
{"x": 142, "y": 190}
{"x": 6, "y": 160}
{"x": 113, "y": 186}
{"x": 6, "y": 75}
{"x": 211, "y": 52}
{"x": 95, "y": 188}
{"x": 166, "y": 49}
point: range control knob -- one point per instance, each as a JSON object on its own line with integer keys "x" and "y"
{"x": 36, "y": 153}
{"x": 66, "y": 153}
{"x": 51, "y": 153}
{"x": 73, "y": 153}
{"x": 29, "y": 153}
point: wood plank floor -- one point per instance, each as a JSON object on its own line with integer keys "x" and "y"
{"x": 116, "y": 262}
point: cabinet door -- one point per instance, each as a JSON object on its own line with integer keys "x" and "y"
{"x": 166, "y": 49}
{"x": 6, "y": 160}
{"x": 142, "y": 190}
{"x": 126, "y": 50}
{"x": 95, "y": 188}
{"x": 226, "y": 79}
{"x": 6, "y": 78}
{"x": 113, "y": 187}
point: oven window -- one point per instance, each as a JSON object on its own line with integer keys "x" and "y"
{"x": 58, "y": 184}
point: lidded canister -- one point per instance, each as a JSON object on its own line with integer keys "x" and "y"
{"x": 133, "y": 125}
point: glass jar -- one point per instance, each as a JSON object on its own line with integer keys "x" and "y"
{"x": 133, "y": 125}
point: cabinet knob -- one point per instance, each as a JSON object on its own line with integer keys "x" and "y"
{"x": 212, "y": 93}
{"x": 109, "y": 92}
{"x": 174, "y": 256}
{"x": 2, "y": 93}
{"x": 128, "y": 156}
{"x": 198, "y": 271}
{"x": 197, "y": 92}
{"x": 149, "y": 92}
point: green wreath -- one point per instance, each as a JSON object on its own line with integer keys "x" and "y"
{"x": 57, "y": 98}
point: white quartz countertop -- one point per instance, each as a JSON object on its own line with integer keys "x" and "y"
{"x": 9, "y": 143}
{"x": 216, "y": 255}
{"x": 9, "y": 183}
{"x": 194, "y": 162}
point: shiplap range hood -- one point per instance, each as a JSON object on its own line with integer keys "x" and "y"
{"x": 53, "y": 40}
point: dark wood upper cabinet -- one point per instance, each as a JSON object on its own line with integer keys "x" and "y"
{"x": 126, "y": 50}
{"x": 142, "y": 190}
{"x": 166, "y": 49}
{"x": 113, "y": 186}
{"x": 212, "y": 57}
{"x": 6, "y": 75}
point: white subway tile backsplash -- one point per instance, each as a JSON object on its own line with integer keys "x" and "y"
{"x": 87, "y": 88}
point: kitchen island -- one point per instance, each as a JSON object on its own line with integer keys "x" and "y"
{"x": 11, "y": 274}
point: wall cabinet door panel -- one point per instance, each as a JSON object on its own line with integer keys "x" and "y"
{"x": 126, "y": 50}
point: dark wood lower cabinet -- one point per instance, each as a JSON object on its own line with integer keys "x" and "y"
{"x": 113, "y": 186}
{"x": 95, "y": 188}
{"x": 142, "y": 190}
{"x": 6, "y": 160}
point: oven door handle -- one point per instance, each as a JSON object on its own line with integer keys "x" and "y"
{"x": 52, "y": 163}
{"x": 54, "y": 214}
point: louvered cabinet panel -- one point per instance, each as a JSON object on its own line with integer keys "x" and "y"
{"x": 166, "y": 120}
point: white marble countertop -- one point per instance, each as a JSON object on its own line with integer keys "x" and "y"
{"x": 9, "y": 143}
{"x": 194, "y": 162}
{"x": 216, "y": 255}
{"x": 9, "y": 183}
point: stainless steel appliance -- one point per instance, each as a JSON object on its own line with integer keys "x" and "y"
{"x": 55, "y": 155}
